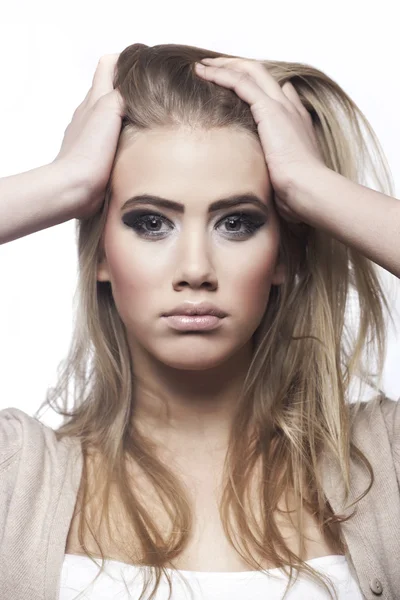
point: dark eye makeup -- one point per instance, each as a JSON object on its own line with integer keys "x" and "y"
{"x": 147, "y": 224}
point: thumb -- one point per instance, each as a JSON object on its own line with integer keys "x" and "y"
{"x": 286, "y": 212}
{"x": 112, "y": 100}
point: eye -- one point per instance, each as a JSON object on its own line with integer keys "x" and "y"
{"x": 146, "y": 224}
{"x": 236, "y": 226}
{"x": 242, "y": 224}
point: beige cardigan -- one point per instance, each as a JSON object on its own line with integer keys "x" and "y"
{"x": 39, "y": 481}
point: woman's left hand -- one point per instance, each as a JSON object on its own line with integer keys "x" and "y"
{"x": 284, "y": 125}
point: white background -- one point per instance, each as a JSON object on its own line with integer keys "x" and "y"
{"x": 48, "y": 55}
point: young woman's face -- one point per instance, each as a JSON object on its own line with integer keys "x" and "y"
{"x": 185, "y": 250}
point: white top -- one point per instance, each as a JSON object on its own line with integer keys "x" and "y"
{"x": 78, "y": 573}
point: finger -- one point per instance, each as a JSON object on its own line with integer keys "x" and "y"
{"x": 113, "y": 101}
{"x": 103, "y": 78}
{"x": 291, "y": 93}
{"x": 257, "y": 70}
{"x": 243, "y": 85}
{"x": 293, "y": 96}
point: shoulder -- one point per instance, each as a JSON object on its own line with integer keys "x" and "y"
{"x": 376, "y": 426}
{"x": 380, "y": 407}
{"x": 22, "y": 435}
{"x": 391, "y": 413}
{"x": 33, "y": 457}
{"x": 39, "y": 479}
{"x": 15, "y": 426}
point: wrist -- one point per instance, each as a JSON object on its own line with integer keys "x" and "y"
{"x": 71, "y": 186}
{"x": 308, "y": 190}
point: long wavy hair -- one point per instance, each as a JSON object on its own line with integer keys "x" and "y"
{"x": 305, "y": 353}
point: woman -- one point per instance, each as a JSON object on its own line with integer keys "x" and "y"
{"x": 221, "y": 232}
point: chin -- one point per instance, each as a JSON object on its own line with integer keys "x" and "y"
{"x": 193, "y": 359}
{"x": 196, "y": 364}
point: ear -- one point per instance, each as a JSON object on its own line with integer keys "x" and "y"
{"x": 102, "y": 270}
{"x": 279, "y": 274}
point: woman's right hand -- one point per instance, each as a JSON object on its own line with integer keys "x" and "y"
{"x": 90, "y": 140}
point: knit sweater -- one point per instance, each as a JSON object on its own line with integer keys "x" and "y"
{"x": 40, "y": 477}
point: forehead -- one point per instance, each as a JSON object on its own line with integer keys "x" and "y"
{"x": 190, "y": 165}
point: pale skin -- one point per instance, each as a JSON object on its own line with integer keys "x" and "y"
{"x": 200, "y": 378}
{"x": 197, "y": 258}
{"x": 365, "y": 219}
{"x": 306, "y": 190}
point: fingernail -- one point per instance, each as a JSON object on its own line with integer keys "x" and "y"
{"x": 199, "y": 67}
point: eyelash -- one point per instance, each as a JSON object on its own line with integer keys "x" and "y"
{"x": 138, "y": 219}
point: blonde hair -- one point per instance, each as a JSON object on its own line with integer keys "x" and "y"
{"x": 304, "y": 354}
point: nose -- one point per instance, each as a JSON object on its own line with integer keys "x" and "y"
{"x": 194, "y": 265}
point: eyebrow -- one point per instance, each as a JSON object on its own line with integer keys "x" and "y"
{"x": 233, "y": 200}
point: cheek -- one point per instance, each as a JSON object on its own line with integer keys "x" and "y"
{"x": 135, "y": 280}
{"x": 250, "y": 281}
{"x": 255, "y": 285}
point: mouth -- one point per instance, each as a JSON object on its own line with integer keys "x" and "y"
{"x": 186, "y": 322}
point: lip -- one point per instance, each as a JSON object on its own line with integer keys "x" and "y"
{"x": 193, "y": 322}
{"x": 199, "y": 309}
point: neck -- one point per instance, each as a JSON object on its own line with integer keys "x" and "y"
{"x": 182, "y": 407}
